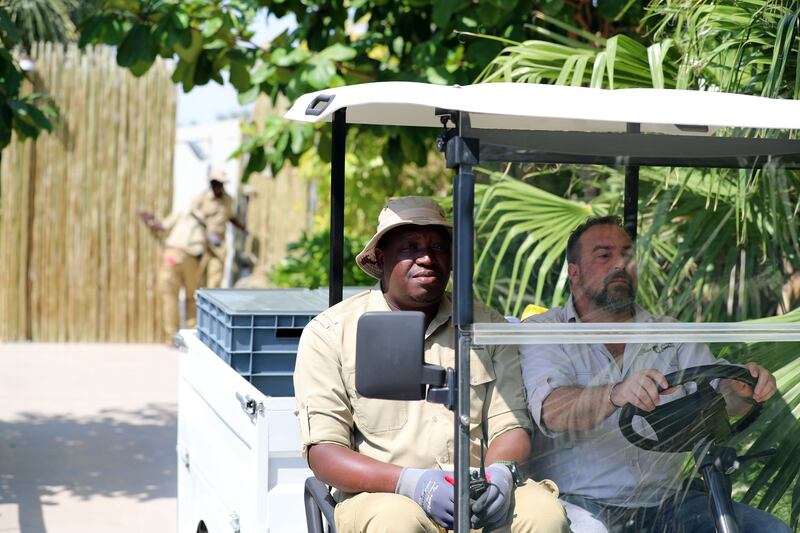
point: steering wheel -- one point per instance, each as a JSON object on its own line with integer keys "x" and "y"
{"x": 681, "y": 424}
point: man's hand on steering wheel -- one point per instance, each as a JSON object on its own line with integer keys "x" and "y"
{"x": 640, "y": 390}
{"x": 765, "y": 386}
{"x": 702, "y": 415}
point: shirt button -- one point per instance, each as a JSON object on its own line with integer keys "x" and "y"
{"x": 435, "y": 419}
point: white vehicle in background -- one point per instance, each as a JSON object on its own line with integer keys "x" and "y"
{"x": 240, "y": 468}
{"x": 239, "y": 463}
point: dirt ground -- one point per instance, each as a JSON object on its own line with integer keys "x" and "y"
{"x": 87, "y": 438}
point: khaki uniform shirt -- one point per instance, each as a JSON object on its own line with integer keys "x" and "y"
{"x": 414, "y": 433}
{"x": 186, "y": 232}
{"x": 216, "y": 211}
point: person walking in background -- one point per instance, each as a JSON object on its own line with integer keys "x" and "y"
{"x": 216, "y": 206}
{"x": 184, "y": 247}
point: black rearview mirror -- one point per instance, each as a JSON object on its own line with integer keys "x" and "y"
{"x": 390, "y": 353}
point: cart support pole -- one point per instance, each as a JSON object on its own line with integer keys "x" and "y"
{"x": 336, "y": 272}
{"x": 463, "y": 207}
{"x": 711, "y": 462}
{"x": 631, "y": 206}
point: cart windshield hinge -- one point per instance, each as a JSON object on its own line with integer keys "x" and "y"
{"x": 445, "y": 116}
{"x": 461, "y": 151}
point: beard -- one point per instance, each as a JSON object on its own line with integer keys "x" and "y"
{"x": 617, "y": 299}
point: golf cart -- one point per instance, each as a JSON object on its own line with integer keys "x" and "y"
{"x": 628, "y": 128}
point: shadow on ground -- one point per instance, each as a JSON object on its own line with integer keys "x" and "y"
{"x": 116, "y": 453}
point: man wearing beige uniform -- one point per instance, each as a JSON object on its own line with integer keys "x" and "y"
{"x": 387, "y": 460}
{"x": 180, "y": 265}
{"x": 216, "y": 206}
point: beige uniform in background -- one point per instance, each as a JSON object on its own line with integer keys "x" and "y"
{"x": 410, "y": 434}
{"x": 180, "y": 267}
{"x": 217, "y": 213}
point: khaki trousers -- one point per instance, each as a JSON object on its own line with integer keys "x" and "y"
{"x": 536, "y": 509}
{"x": 178, "y": 269}
{"x": 213, "y": 266}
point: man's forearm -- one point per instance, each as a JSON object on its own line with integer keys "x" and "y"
{"x": 350, "y": 471}
{"x": 576, "y": 408}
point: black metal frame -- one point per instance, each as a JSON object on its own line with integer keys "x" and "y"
{"x": 632, "y": 148}
{"x": 336, "y": 272}
{"x": 465, "y": 147}
{"x": 631, "y": 201}
{"x": 463, "y": 254}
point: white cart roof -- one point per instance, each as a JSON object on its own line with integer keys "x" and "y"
{"x": 524, "y": 106}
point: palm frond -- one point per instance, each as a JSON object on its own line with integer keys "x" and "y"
{"x": 42, "y": 20}
{"x": 522, "y": 224}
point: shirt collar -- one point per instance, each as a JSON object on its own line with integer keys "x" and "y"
{"x": 442, "y": 316}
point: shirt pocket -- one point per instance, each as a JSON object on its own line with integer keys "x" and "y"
{"x": 373, "y": 416}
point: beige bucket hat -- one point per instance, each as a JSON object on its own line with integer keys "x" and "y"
{"x": 217, "y": 174}
{"x": 407, "y": 210}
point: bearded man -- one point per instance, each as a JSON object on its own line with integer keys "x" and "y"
{"x": 575, "y": 392}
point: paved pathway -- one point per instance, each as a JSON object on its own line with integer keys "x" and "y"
{"x": 87, "y": 438}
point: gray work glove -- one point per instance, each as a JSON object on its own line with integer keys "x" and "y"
{"x": 431, "y": 491}
{"x": 494, "y": 508}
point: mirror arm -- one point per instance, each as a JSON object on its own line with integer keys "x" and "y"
{"x": 444, "y": 389}
{"x": 433, "y": 375}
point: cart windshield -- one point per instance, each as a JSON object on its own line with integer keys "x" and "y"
{"x": 641, "y": 244}
{"x": 709, "y": 275}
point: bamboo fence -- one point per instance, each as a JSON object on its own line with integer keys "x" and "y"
{"x": 77, "y": 263}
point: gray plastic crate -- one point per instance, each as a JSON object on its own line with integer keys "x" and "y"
{"x": 256, "y": 331}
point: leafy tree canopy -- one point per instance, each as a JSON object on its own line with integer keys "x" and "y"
{"x": 334, "y": 43}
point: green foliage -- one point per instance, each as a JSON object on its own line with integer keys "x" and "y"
{"x": 737, "y": 46}
{"x": 274, "y": 142}
{"x": 206, "y": 37}
{"x": 369, "y": 182}
{"x": 736, "y": 277}
{"x": 41, "y": 20}
{"x": 306, "y": 264}
{"x": 734, "y": 46}
{"x": 580, "y": 58}
{"x": 522, "y": 234}
{"x": 371, "y": 179}
{"x": 26, "y": 115}
{"x": 333, "y": 44}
